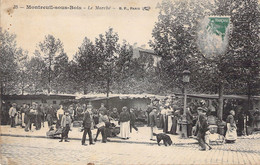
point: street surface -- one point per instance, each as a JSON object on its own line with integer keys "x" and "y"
{"x": 25, "y": 150}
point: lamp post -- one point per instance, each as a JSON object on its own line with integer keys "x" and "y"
{"x": 186, "y": 80}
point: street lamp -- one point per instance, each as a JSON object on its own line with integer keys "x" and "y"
{"x": 186, "y": 80}
{"x": 186, "y": 76}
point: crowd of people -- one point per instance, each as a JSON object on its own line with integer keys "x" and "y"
{"x": 197, "y": 119}
{"x": 168, "y": 117}
{"x": 62, "y": 118}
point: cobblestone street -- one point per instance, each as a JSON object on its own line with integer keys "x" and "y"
{"x": 20, "y": 150}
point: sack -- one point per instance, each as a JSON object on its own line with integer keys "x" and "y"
{"x": 50, "y": 133}
{"x": 212, "y": 120}
{"x": 102, "y": 124}
{"x": 80, "y": 129}
{"x": 58, "y": 131}
{"x": 19, "y": 121}
{"x": 33, "y": 112}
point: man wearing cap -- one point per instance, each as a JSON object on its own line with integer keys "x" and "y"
{"x": 65, "y": 125}
{"x": 148, "y": 111}
{"x": 152, "y": 119}
{"x": 71, "y": 111}
{"x": 31, "y": 117}
{"x": 24, "y": 111}
{"x": 102, "y": 108}
{"x": 12, "y": 114}
{"x": 102, "y": 126}
{"x": 202, "y": 127}
{"x": 87, "y": 123}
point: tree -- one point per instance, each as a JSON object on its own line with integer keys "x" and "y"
{"x": 61, "y": 73}
{"x": 175, "y": 39}
{"x": 36, "y": 70}
{"x": 22, "y": 76}
{"x": 88, "y": 65}
{"x": 106, "y": 49}
{"x": 48, "y": 50}
{"x": 123, "y": 70}
{"x": 245, "y": 48}
{"x": 9, "y": 57}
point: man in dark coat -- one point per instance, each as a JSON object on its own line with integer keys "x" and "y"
{"x": 87, "y": 121}
{"x": 132, "y": 120}
{"x": 202, "y": 127}
{"x": 189, "y": 118}
{"x": 114, "y": 115}
{"x": 152, "y": 120}
{"x": 102, "y": 108}
{"x": 50, "y": 115}
{"x": 148, "y": 111}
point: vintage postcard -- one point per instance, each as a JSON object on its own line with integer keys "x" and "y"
{"x": 129, "y": 82}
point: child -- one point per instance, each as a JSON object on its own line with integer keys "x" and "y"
{"x": 65, "y": 125}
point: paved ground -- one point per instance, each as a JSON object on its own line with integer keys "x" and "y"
{"x": 143, "y": 136}
{"x": 24, "y": 150}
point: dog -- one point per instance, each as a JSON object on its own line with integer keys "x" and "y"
{"x": 162, "y": 136}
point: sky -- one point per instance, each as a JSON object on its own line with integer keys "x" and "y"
{"x": 72, "y": 26}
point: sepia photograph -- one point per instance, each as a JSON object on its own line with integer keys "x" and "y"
{"x": 130, "y": 82}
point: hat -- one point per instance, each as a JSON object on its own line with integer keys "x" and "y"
{"x": 202, "y": 109}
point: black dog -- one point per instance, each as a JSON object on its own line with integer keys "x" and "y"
{"x": 162, "y": 136}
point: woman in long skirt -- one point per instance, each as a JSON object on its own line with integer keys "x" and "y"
{"x": 124, "y": 120}
{"x": 231, "y": 135}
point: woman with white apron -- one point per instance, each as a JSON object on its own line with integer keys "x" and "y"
{"x": 231, "y": 134}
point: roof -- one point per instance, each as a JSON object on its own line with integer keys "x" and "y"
{"x": 138, "y": 51}
{"x": 216, "y": 96}
{"x": 120, "y": 96}
{"x": 37, "y": 97}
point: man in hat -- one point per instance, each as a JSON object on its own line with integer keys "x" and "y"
{"x": 31, "y": 117}
{"x": 102, "y": 108}
{"x": 152, "y": 120}
{"x": 71, "y": 111}
{"x": 87, "y": 123}
{"x": 102, "y": 126}
{"x": 12, "y": 114}
{"x": 65, "y": 125}
{"x": 148, "y": 111}
{"x": 202, "y": 127}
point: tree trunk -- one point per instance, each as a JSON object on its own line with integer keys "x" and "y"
{"x": 49, "y": 77}
{"x": 1, "y": 97}
{"x": 23, "y": 87}
{"x": 248, "y": 95}
{"x": 220, "y": 100}
{"x": 85, "y": 90}
{"x": 108, "y": 89}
